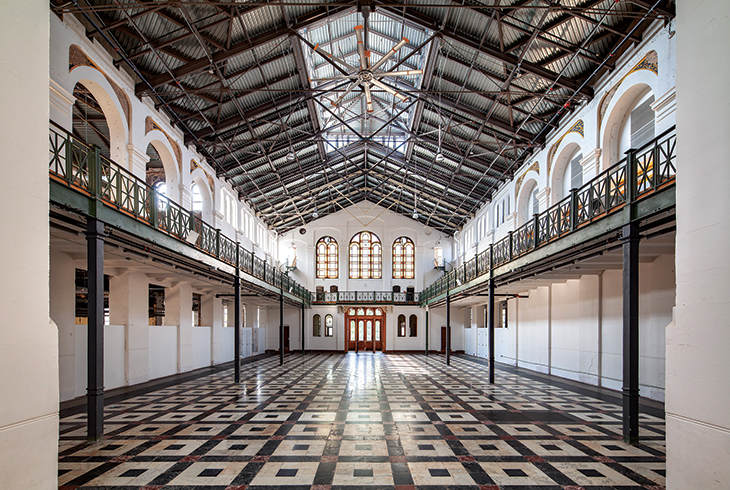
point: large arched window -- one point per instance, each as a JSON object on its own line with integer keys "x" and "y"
{"x": 316, "y": 326}
{"x": 327, "y": 258}
{"x": 197, "y": 200}
{"x": 401, "y": 326}
{"x": 366, "y": 256}
{"x": 573, "y": 176}
{"x": 413, "y": 326}
{"x": 404, "y": 258}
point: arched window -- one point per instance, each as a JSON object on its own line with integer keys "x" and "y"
{"x": 366, "y": 261}
{"x": 404, "y": 258}
{"x": 573, "y": 176}
{"x": 329, "y": 326}
{"x": 401, "y": 325}
{"x": 197, "y": 199}
{"x": 413, "y": 326}
{"x": 327, "y": 253}
{"x": 317, "y": 326}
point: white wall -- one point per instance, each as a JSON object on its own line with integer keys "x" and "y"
{"x": 28, "y": 338}
{"x": 698, "y": 401}
{"x": 557, "y": 329}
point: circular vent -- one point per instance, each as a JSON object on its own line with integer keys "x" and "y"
{"x": 302, "y": 231}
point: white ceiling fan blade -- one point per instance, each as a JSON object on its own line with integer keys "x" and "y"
{"x": 402, "y": 73}
{"x": 329, "y": 79}
{"x": 368, "y": 97}
{"x": 390, "y": 53}
{"x": 333, "y": 57}
{"x": 346, "y": 92}
{"x": 360, "y": 47}
{"x": 389, "y": 90}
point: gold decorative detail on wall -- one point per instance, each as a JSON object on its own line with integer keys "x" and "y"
{"x": 649, "y": 62}
{"x": 578, "y": 127}
{"x": 150, "y": 125}
{"x": 518, "y": 185}
{"x": 77, "y": 58}
{"x": 194, "y": 164}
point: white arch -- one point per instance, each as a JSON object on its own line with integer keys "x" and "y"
{"x": 524, "y": 200}
{"x": 199, "y": 178}
{"x": 172, "y": 175}
{"x": 104, "y": 94}
{"x": 570, "y": 145}
{"x": 636, "y": 85}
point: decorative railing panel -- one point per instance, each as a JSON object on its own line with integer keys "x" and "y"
{"x": 640, "y": 174}
{"x": 81, "y": 168}
{"x": 366, "y": 297}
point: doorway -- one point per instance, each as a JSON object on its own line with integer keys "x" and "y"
{"x": 443, "y": 340}
{"x": 365, "y": 329}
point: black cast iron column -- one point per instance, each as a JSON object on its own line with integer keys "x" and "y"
{"x": 448, "y": 328}
{"x": 95, "y": 330}
{"x": 490, "y": 326}
{"x": 631, "y": 332}
{"x": 302, "y": 328}
{"x": 237, "y": 330}
{"x": 281, "y": 327}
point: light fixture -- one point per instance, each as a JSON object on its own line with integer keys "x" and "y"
{"x": 315, "y": 214}
{"x": 439, "y": 157}
{"x": 415, "y": 214}
{"x": 291, "y": 156}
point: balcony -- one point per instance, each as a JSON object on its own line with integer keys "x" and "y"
{"x": 76, "y": 166}
{"x": 366, "y": 297}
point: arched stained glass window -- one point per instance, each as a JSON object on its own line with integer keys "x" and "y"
{"x": 401, "y": 326}
{"x": 366, "y": 256}
{"x": 327, "y": 255}
{"x": 328, "y": 326}
{"x": 404, "y": 258}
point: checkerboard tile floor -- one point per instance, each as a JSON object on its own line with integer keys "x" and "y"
{"x": 354, "y": 421}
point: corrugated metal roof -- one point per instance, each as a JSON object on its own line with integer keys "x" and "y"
{"x": 264, "y": 100}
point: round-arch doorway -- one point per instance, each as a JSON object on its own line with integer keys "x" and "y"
{"x": 365, "y": 329}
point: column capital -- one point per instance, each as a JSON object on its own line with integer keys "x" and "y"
{"x": 590, "y": 164}
{"x": 61, "y": 105}
{"x": 543, "y": 198}
{"x": 138, "y": 161}
{"x": 666, "y": 105}
{"x": 218, "y": 218}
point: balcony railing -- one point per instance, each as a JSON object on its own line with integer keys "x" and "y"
{"x": 365, "y": 297}
{"x": 642, "y": 173}
{"x": 82, "y": 168}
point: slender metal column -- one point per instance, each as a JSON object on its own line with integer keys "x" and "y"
{"x": 95, "y": 338}
{"x": 302, "y": 328}
{"x": 237, "y": 330}
{"x": 448, "y": 328}
{"x": 631, "y": 332}
{"x": 281, "y": 327}
{"x": 490, "y": 326}
{"x": 426, "y": 331}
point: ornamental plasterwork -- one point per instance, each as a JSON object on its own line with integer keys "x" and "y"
{"x": 194, "y": 165}
{"x": 536, "y": 167}
{"x": 578, "y": 127}
{"x": 649, "y": 62}
{"x": 150, "y": 125}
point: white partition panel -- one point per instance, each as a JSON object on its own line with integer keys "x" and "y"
{"x": 163, "y": 351}
{"x": 201, "y": 347}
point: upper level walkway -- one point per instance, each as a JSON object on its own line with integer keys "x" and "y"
{"x": 88, "y": 183}
{"x": 639, "y": 188}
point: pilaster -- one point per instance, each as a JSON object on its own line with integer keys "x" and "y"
{"x": 129, "y": 306}
{"x": 511, "y": 221}
{"x": 218, "y": 218}
{"x": 178, "y": 313}
{"x": 186, "y": 197}
{"x": 665, "y": 108}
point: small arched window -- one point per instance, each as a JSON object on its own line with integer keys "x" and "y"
{"x": 413, "y": 326}
{"x": 329, "y": 326}
{"x": 317, "y": 326}
{"x": 404, "y": 258}
{"x": 401, "y": 325}
{"x": 327, "y": 254}
{"x": 366, "y": 256}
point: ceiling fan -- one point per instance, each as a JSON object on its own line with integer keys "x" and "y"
{"x": 367, "y": 75}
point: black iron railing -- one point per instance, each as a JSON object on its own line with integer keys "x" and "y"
{"x": 640, "y": 174}
{"x": 369, "y": 297}
{"x": 82, "y": 168}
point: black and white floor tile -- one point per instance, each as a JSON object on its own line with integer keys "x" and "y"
{"x": 336, "y": 422}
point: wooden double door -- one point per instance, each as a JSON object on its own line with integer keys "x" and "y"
{"x": 365, "y": 329}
